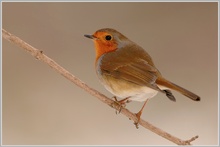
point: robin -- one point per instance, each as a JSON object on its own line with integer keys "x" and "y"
{"x": 127, "y": 70}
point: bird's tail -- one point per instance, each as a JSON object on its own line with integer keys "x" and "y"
{"x": 165, "y": 83}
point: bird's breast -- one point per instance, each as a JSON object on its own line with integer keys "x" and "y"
{"x": 123, "y": 89}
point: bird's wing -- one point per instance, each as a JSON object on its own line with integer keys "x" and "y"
{"x": 134, "y": 71}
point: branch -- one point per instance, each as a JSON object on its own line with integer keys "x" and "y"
{"x": 38, "y": 54}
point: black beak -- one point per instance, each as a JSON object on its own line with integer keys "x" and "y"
{"x": 90, "y": 36}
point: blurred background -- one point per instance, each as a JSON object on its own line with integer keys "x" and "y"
{"x": 40, "y": 107}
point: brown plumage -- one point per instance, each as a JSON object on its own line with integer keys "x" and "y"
{"x": 127, "y": 70}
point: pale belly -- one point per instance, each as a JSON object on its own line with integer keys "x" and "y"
{"x": 124, "y": 89}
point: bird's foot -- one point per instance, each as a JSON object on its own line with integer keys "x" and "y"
{"x": 122, "y": 103}
{"x": 138, "y": 115}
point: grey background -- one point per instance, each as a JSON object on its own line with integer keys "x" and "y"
{"x": 40, "y": 106}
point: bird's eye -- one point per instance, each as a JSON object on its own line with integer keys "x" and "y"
{"x": 108, "y": 37}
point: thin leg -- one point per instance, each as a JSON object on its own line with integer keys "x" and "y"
{"x": 139, "y": 114}
{"x": 123, "y": 101}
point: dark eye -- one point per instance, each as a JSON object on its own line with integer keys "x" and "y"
{"x": 108, "y": 37}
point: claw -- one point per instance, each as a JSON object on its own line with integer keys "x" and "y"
{"x": 138, "y": 115}
{"x": 136, "y": 125}
{"x": 121, "y": 103}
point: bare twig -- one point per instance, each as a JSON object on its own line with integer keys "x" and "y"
{"x": 38, "y": 54}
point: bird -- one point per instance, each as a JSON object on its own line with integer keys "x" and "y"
{"x": 128, "y": 72}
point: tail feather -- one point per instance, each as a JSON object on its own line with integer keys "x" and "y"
{"x": 177, "y": 88}
{"x": 170, "y": 95}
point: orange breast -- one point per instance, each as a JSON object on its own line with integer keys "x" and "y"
{"x": 104, "y": 47}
